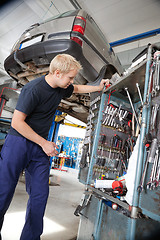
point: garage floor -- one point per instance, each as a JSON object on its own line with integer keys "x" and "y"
{"x": 60, "y": 223}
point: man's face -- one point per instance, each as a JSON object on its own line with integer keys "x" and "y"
{"x": 65, "y": 79}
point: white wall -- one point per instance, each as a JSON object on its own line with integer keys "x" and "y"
{"x": 69, "y": 131}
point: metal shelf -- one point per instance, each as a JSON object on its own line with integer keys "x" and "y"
{"x": 136, "y": 75}
{"x": 108, "y": 197}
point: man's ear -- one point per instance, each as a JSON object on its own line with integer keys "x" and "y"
{"x": 57, "y": 73}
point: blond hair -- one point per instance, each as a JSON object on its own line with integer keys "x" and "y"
{"x": 64, "y": 63}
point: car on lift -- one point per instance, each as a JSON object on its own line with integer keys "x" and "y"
{"x": 75, "y": 33}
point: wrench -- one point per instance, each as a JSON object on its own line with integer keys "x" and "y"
{"x": 157, "y": 180}
{"x": 155, "y": 168}
{"x": 112, "y": 115}
{"x": 157, "y": 74}
{"x": 141, "y": 186}
{"x": 107, "y": 112}
{"x": 150, "y": 83}
{"x": 156, "y": 86}
{"x": 154, "y": 81}
{"x": 139, "y": 92}
{"x": 154, "y": 115}
{"x": 151, "y": 183}
{"x": 126, "y": 89}
{"x": 153, "y": 150}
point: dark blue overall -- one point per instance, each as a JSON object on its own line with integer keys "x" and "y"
{"x": 39, "y": 101}
{"x": 18, "y": 154}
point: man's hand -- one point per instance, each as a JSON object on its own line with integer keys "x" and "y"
{"x": 104, "y": 82}
{"x": 90, "y": 88}
{"x": 50, "y": 148}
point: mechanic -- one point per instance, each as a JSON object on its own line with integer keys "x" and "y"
{"x": 26, "y": 145}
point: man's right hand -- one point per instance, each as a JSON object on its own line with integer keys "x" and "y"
{"x": 19, "y": 123}
{"x": 50, "y": 148}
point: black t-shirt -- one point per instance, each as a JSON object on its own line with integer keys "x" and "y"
{"x": 39, "y": 101}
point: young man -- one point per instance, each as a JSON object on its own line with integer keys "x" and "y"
{"x": 26, "y": 146}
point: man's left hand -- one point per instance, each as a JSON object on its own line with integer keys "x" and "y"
{"x": 104, "y": 82}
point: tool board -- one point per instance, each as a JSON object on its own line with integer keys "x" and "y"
{"x": 126, "y": 111}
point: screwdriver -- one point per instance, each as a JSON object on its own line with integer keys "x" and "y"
{"x": 111, "y": 144}
{"x": 102, "y": 140}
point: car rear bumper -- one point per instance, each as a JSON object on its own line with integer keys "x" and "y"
{"x": 42, "y": 53}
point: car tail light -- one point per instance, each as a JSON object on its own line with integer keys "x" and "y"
{"x": 79, "y": 26}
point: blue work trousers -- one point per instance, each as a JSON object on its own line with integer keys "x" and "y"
{"x": 18, "y": 154}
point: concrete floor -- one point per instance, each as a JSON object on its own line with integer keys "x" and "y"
{"x": 60, "y": 223}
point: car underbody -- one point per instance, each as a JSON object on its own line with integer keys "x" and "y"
{"x": 76, "y": 106}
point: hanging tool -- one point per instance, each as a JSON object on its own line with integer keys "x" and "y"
{"x": 139, "y": 92}
{"x": 155, "y": 110}
{"x": 156, "y": 86}
{"x": 101, "y": 160}
{"x": 157, "y": 179}
{"x": 153, "y": 150}
{"x": 141, "y": 186}
{"x": 97, "y": 99}
{"x": 153, "y": 158}
{"x": 150, "y": 83}
{"x": 150, "y": 148}
{"x": 111, "y": 146}
{"x": 126, "y": 89}
{"x": 152, "y": 182}
{"x": 139, "y": 120}
{"x": 112, "y": 116}
{"x": 107, "y": 113}
{"x": 102, "y": 142}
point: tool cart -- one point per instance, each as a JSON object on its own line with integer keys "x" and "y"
{"x": 120, "y": 164}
